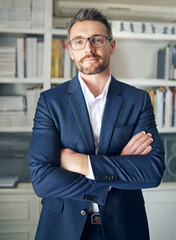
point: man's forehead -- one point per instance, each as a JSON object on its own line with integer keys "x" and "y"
{"x": 87, "y": 28}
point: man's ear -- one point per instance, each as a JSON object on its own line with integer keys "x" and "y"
{"x": 70, "y": 53}
{"x": 113, "y": 46}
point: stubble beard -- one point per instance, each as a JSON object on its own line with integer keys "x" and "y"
{"x": 92, "y": 69}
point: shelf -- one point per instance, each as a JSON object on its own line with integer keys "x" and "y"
{"x": 167, "y": 130}
{"x": 58, "y": 80}
{"x": 143, "y": 36}
{"x": 21, "y": 80}
{"x": 60, "y": 32}
{"x": 128, "y": 35}
{"x": 134, "y": 82}
{"x": 150, "y": 82}
{"x": 22, "y": 31}
{"x": 16, "y": 129}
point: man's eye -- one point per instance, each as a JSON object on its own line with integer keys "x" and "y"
{"x": 97, "y": 40}
{"x": 78, "y": 42}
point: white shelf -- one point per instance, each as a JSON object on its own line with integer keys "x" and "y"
{"x": 143, "y": 36}
{"x": 167, "y": 130}
{"x": 59, "y": 32}
{"x": 21, "y": 80}
{"x": 150, "y": 82}
{"x": 16, "y": 129}
{"x": 134, "y": 82}
{"x": 58, "y": 80}
{"x": 22, "y": 31}
{"x": 128, "y": 35}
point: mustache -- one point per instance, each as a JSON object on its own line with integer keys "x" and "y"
{"x": 90, "y": 56}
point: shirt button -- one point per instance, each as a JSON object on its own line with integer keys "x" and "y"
{"x": 83, "y": 212}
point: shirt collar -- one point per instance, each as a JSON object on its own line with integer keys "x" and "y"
{"x": 87, "y": 92}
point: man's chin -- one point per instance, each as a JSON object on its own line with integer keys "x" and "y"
{"x": 91, "y": 72}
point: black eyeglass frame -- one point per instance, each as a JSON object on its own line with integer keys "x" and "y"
{"x": 90, "y": 40}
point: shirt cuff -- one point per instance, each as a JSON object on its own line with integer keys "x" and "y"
{"x": 91, "y": 174}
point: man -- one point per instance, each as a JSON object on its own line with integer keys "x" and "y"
{"x": 94, "y": 146}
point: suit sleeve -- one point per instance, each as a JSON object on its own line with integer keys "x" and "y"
{"x": 133, "y": 171}
{"x": 48, "y": 179}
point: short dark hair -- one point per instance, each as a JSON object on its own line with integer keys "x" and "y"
{"x": 90, "y": 14}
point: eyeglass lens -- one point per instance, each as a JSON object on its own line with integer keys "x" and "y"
{"x": 96, "y": 41}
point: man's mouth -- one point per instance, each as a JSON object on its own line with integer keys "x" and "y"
{"x": 90, "y": 59}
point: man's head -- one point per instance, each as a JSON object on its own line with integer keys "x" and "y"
{"x": 90, "y": 41}
{"x": 90, "y": 14}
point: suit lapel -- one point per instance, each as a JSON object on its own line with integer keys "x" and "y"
{"x": 79, "y": 108}
{"x": 112, "y": 109}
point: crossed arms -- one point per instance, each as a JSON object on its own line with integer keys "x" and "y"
{"x": 78, "y": 162}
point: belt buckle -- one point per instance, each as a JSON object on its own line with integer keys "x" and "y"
{"x": 93, "y": 216}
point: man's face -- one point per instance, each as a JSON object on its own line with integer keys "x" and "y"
{"x": 91, "y": 60}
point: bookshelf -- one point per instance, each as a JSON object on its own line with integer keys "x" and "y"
{"x": 134, "y": 61}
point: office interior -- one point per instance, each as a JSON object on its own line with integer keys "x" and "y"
{"x": 145, "y": 30}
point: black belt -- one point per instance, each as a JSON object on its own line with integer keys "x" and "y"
{"x": 95, "y": 218}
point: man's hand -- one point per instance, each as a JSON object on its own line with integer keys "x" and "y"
{"x": 138, "y": 145}
{"x": 74, "y": 162}
{"x": 78, "y": 162}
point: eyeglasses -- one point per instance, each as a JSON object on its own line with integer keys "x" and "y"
{"x": 95, "y": 41}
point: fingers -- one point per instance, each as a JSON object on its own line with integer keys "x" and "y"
{"x": 146, "y": 151}
{"x": 139, "y": 144}
{"x": 136, "y": 138}
{"x": 142, "y": 143}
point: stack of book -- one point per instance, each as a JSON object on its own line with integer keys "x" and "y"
{"x": 143, "y": 27}
{"x": 7, "y": 61}
{"x": 22, "y": 13}
{"x": 12, "y": 111}
{"x": 32, "y": 96}
{"x": 166, "y": 63}
{"x": 38, "y": 12}
{"x": 62, "y": 65}
{"x": 164, "y": 104}
{"x": 15, "y": 13}
{"x": 29, "y": 57}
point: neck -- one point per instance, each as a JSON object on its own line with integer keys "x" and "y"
{"x": 96, "y": 82}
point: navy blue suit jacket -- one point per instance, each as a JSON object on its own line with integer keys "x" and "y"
{"x": 62, "y": 121}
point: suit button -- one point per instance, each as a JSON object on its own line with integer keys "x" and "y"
{"x": 94, "y": 198}
{"x": 106, "y": 178}
{"x": 85, "y": 196}
{"x": 116, "y": 178}
{"x": 83, "y": 212}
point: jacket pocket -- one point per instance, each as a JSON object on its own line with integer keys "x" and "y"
{"x": 54, "y": 204}
{"x": 121, "y": 136}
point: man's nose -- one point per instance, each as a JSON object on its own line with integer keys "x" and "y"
{"x": 89, "y": 47}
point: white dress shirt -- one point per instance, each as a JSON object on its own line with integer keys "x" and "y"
{"x": 95, "y": 106}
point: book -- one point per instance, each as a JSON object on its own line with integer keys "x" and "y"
{"x": 12, "y": 103}
{"x": 31, "y": 57}
{"x": 168, "y": 108}
{"x": 40, "y": 57}
{"x": 160, "y": 106}
{"x": 67, "y": 61}
{"x": 20, "y": 57}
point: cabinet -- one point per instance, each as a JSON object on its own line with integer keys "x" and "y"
{"x": 161, "y": 211}
{"x": 19, "y": 213}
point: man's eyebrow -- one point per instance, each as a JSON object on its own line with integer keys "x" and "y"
{"x": 76, "y": 37}
{"x": 94, "y": 35}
